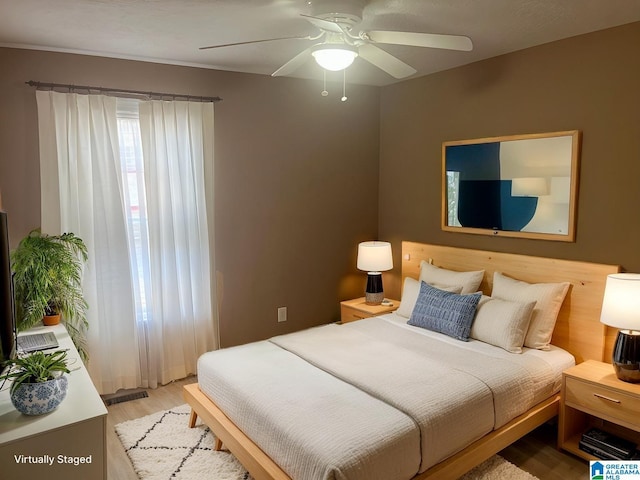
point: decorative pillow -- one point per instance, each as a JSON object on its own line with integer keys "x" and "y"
{"x": 444, "y": 312}
{"x": 502, "y": 323}
{"x": 410, "y": 291}
{"x": 468, "y": 281}
{"x": 548, "y": 298}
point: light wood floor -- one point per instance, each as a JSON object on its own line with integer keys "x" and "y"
{"x": 536, "y": 453}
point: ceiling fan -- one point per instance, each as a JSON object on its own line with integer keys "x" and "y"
{"x": 339, "y": 43}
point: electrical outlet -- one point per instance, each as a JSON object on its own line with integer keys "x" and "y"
{"x": 282, "y": 314}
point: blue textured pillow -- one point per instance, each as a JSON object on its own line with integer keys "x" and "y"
{"x": 445, "y": 312}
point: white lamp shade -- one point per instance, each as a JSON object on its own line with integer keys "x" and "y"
{"x": 374, "y": 256}
{"x": 334, "y": 57}
{"x": 529, "y": 187}
{"x": 621, "y": 304}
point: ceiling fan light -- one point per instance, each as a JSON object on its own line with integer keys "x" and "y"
{"x": 334, "y": 58}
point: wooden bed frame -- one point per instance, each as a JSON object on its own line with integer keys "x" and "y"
{"x": 578, "y": 330}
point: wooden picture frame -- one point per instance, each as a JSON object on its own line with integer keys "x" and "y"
{"x": 521, "y": 186}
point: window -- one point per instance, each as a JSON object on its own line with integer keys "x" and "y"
{"x": 130, "y": 142}
{"x": 150, "y": 294}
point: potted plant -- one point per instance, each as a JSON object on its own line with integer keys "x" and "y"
{"x": 39, "y": 384}
{"x": 47, "y": 281}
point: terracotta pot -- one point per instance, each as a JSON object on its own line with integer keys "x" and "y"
{"x": 51, "y": 319}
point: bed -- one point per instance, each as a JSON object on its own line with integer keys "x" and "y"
{"x": 360, "y": 400}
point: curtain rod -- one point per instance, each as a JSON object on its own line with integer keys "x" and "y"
{"x": 71, "y": 88}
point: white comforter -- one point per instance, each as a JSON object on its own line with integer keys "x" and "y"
{"x": 369, "y": 399}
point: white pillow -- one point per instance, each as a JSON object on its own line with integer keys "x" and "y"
{"x": 468, "y": 281}
{"x": 548, "y": 298}
{"x": 502, "y": 323}
{"x": 410, "y": 292}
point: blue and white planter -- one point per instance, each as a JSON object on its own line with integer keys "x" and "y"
{"x": 40, "y": 398}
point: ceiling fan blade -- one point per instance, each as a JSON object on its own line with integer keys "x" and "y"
{"x": 323, "y": 24}
{"x": 431, "y": 40}
{"x": 385, "y": 61}
{"x": 293, "y": 64}
{"x": 256, "y": 41}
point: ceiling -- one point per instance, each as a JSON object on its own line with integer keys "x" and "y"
{"x": 171, "y": 31}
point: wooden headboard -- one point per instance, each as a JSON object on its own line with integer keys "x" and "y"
{"x": 578, "y": 329}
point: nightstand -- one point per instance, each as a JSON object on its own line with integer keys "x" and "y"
{"x": 357, "y": 309}
{"x": 592, "y": 396}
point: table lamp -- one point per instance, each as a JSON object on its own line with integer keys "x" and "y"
{"x": 621, "y": 309}
{"x": 374, "y": 258}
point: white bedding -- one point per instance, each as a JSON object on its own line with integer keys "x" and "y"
{"x": 556, "y": 358}
{"x": 373, "y": 399}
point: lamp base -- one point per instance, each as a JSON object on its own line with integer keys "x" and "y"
{"x": 626, "y": 356}
{"x": 374, "y": 295}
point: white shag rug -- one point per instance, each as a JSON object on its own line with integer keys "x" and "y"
{"x": 162, "y": 446}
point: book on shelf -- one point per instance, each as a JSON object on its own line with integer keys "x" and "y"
{"x": 605, "y": 443}
{"x": 597, "y": 452}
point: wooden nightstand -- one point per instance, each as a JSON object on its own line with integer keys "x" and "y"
{"x": 357, "y": 309}
{"x": 592, "y": 396}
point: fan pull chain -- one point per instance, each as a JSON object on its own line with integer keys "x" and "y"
{"x": 344, "y": 85}
{"x": 324, "y": 92}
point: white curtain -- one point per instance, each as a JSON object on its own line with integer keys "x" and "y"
{"x": 81, "y": 183}
{"x": 177, "y": 146}
{"x": 142, "y": 208}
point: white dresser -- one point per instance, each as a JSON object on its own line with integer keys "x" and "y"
{"x": 69, "y": 442}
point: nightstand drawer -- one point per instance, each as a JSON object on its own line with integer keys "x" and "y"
{"x": 351, "y": 314}
{"x": 603, "y": 402}
{"x": 357, "y": 309}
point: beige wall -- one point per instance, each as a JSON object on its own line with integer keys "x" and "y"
{"x": 296, "y": 174}
{"x": 295, "y": 186}
{"x": 589, "y": 83}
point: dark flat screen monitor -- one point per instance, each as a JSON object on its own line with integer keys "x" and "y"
{"x": 7, "y": 308}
